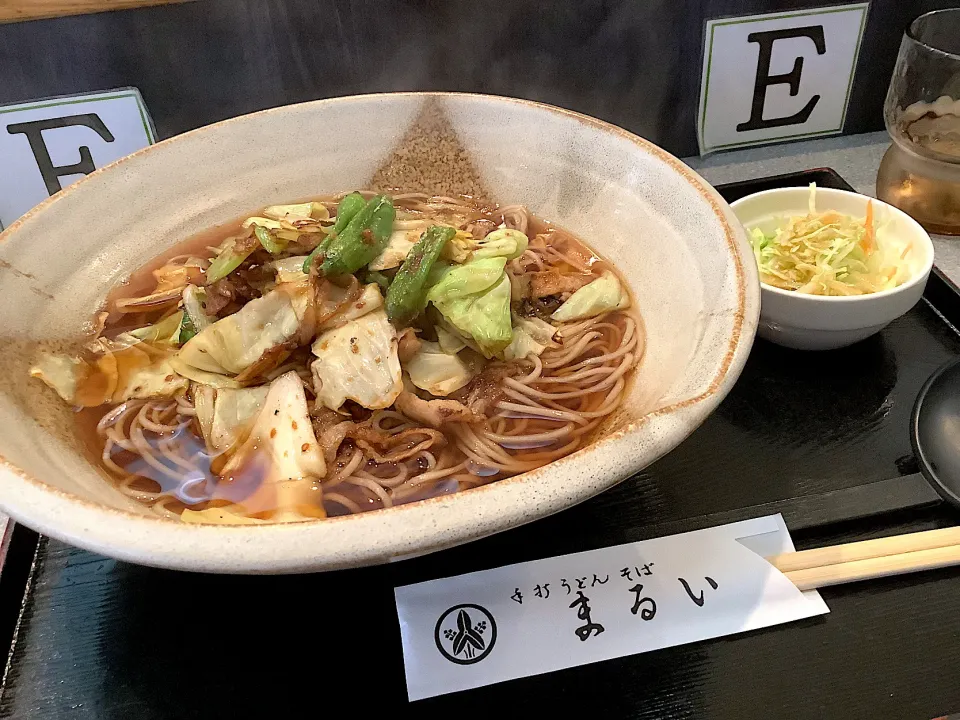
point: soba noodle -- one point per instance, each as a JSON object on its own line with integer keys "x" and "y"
{"x": 527, "y": 412}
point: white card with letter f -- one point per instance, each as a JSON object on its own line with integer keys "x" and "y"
{"x": 778, "y": 76}
{"x": 47, "y": 144}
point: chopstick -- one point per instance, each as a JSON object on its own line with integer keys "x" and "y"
{"x": 867, "y": 559}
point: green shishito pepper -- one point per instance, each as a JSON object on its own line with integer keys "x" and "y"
{"x": 348, "y": 207}
{"x": 407, "y": 294}
{"x": 362, "y": 238}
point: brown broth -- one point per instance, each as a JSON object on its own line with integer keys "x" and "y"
{"x": 210, "y": 491}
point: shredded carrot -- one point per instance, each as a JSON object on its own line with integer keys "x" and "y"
{"x": 906, "y": 251}
{"x": 868, "y": 243}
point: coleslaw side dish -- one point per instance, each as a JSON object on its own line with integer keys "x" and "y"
{"x": 830, "y": 253}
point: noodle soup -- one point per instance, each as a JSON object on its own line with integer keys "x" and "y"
{"x": 349, "y": 354}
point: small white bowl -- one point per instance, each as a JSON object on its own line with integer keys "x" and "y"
{"x": 817, "y": 322}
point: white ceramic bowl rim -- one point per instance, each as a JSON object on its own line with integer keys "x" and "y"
{"x": 919, "y": 276}
{"x": 184, "y": 545}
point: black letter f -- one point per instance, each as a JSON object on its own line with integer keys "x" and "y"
{"x": 50, "y": 172}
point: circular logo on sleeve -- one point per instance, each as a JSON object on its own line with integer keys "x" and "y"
{"x": 465, "y": 634}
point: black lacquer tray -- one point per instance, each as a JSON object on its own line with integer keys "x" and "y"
{"x": 821, "y": 437}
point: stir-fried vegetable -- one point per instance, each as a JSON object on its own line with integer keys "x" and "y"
{"x": 298, "y": 211}
{"x": 459, "y": 248}
{"x": 187, "y": 329}
{"x": 380, "y": 279}
{"x": 231, "y": 256}
{"x": 195, "y": 318}
{"x": 462, "y": 280}
{"x": 449, "y": 342}
{"x": 110, "y": 371}
{"x": 272, "y": 244}
{"x": 282, "y": 447}
{"x": 348, "y": 208}
{"x": 602, "y": 295}
{"x": 504, "y": 243}
{"x": 225, "y": 415}
{"x": 484, "y": 316}
{"x": 231, "y": 345}
{"x": 406, "y": 297}
{"x": 362, "y": 240}
{"x": 168, "y": 330}
{"x": 438, "y": 372}
{"x": 358, "y": 362}
{"x": 828, "y": 253}
{"x": 531, "y": 336}
{"x": 399, "y": 245}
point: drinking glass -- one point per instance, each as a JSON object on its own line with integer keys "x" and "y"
{"x": 920, "y": 172}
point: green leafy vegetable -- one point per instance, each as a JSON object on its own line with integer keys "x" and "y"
{"x": 504, "y": 243}
{"x": 449, "y": 342}
{"x": 187, "y": 329}
{"x": 406, "y": 297}
{"x": 399, "y": 245}
{"x": 234, "y": 343}
{"x": 531, "y": 336}
{"x": 438, "y": 372}
{"x": 358, "y": 361}
{"x": 463, "y": 280}
{"x": 271, "y": 243}
{"x": 194, "y": 302}
{"x": 165, "y": 331}
{"x": 225, "y": 415}
{"x": 228, "y": 260}
{"x": 602, "y": 295}
{"x": 288, "y": 269}
{"x": 484, "y": 316}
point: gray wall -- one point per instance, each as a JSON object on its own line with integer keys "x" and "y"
{"x": 633, "y": 62}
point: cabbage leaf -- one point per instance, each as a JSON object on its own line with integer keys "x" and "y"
{"x": 297, "y": 211}
{"x": 484, "y": 316}
{"x": 398, "y": 246}
{"x": 225, "y": 415}
{"x": 462, "y": 280}
{"x": 438, "y": 372}
{"x": 231, "y": 345}
{"x": 504, "y": 242}
{"x": 595, "y": 298}
{"x": 283, "y": 450}
{"x": 358, "y": 361}
{"x": 531, "y": 336}
{"x": 116, "y": 371}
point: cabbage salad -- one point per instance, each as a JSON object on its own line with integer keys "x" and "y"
{"x": 829, "y": 253}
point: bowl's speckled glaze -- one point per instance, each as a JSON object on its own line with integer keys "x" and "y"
{"x": 679, "y": 246}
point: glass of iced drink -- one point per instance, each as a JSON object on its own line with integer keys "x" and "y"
{"x": 920, "y": 172}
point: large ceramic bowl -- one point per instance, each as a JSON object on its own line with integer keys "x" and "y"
{"x": 680, "y": 247}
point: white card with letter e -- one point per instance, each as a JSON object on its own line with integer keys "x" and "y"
{"x": 535, "y": 617}
{"x": 48, "y": 144}
{"x": 778, "y": 76}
